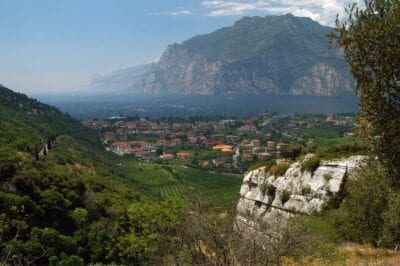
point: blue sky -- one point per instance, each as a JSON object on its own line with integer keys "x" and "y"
{"x": 57, "y": 45}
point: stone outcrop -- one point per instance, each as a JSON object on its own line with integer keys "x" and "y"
{"x": 308, "y": 191}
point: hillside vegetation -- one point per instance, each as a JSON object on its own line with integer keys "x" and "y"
{"x": 169, "y": 180}
{"x": 58, "y": 206}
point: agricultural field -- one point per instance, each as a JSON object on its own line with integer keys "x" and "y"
{"x": 213, "y": 189}
{"x": 326, "y": 136}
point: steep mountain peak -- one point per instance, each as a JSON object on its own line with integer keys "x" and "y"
{"x": 250, "y": 35}
{"x": 273, "y": 54}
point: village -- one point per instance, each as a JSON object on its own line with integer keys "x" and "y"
{"x": 230, "y": 145}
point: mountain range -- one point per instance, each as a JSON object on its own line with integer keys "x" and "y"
{"x": 280, "y": 55}
{"x": 119, "y": 80}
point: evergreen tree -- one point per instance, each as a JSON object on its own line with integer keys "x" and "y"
{"x": 49, "y": 145}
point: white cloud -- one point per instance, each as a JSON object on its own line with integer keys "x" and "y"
{"x": 323, "y": 11}
{"x": 180, "y": 11}
{"x": 307, "y": 13}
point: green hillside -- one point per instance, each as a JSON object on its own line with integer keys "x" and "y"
{"x": 61, "y": 205}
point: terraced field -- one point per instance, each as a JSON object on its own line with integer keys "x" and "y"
{"x": 214, "y": 189}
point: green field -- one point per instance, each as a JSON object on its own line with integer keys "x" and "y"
{"x": 214, "y": 189}
{"x": 201, "y": 152}
{"x": 326, "y": 136}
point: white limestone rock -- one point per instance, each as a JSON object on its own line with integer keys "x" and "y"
{"x": 308, "y": 191}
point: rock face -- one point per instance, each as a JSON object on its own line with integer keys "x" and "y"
{"x": 280, "y": 55}
{"x": 308, "y": 192}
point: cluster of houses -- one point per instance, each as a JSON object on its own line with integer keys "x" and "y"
{"x": 233, "y": 141}
{"x": 160, "y": 139}
{"x": 255, "y": 150}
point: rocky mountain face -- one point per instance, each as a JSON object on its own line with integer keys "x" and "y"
{"x": 281, "y": 55}
{"x": 261, "y": 195}
{"x": 120, "y": 80}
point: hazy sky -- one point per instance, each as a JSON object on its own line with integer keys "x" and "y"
{"x": 57, "y": 45}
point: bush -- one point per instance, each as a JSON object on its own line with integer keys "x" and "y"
{"x": 306, "y": 190}
{"x": 391, "y": 229}
{"x": 279, "y": 170}
{"x": 311, "y": 164}
{"x": 365, "y": 204}
{"x": 268, "y": 189}
{"x": 342, "y": 150}
{"x": 292, "y": 151}
{"x": 285, "y": 196}
{"x": 269, "y": 164}
{"x": 328, "y": 177}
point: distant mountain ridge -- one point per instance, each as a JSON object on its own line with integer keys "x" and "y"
{"x": 281, "y": 55}
{"x": 120, "y": 80}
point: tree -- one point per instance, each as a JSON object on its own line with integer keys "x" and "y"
{"x": 9, "y": 161}
{"x": 366, "y": 201}
{"x": 371, "y": 40}
{"x": 292, "y": 151}
{"x": 159, "y": 151}
{"x": 151, "y": 231}
{"x": 49, "y": 144}
{"x": 212, "y": 238}
{"x": 36, "y": 153}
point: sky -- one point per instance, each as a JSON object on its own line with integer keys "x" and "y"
{"x": 55, "y": 46}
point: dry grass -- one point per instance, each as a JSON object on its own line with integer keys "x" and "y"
{"x": 368, "y": 255}
{"x": 356, "y": 255}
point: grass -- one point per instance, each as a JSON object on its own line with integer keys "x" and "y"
{"x": 201, "y": 152}
{"x": 366, "y": 255}
{"x": 214, "y": 189}
{"x": 310, "y": 165}
{"x": 351, "y": 254}
{"x": 325, "y": 137}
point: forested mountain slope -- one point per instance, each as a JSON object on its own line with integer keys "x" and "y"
{"x": 61, "y": 204}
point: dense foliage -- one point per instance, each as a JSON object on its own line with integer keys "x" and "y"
{"x": 370, "y": 37}
{"x": 371, "y": 40}
{"x": 60, "y": 205}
